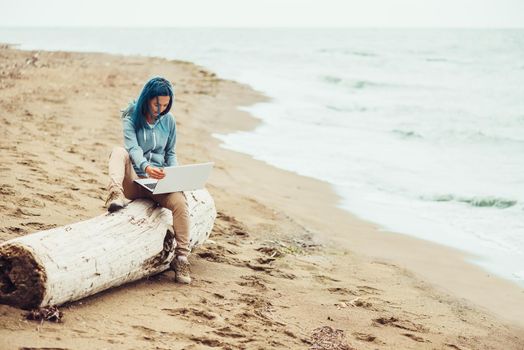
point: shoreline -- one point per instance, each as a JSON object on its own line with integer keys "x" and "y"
{"x": 270, "y": 202}
{"x": 472, "y": 282}
{"x": 454, "y": 274}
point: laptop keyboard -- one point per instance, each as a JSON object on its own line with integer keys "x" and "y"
{"x": 151, "y": 186}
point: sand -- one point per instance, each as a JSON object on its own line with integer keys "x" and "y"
{"x": 284, "y": 267}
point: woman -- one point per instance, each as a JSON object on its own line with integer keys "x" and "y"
{"x": 149, "y": 139}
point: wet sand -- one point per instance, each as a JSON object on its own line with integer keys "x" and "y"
{"x": 284, "y": 267}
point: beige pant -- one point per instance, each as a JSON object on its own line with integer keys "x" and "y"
{"x": 122, "y": 176}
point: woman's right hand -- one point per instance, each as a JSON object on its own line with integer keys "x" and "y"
{"x": 155, "y": 173}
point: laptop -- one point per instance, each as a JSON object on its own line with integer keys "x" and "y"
{"x": 179, "y": 178}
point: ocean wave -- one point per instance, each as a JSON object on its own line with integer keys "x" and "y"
{"x": 348, "y": 52}
{"x": 406, "y": 134}
{"x": 361, "y": 84}
{"x": 436, "y": 59}
{"x": 363, "y": 53}
{"x": 348, "y": 109}
{"x": 479, "y": 137}
{"x": 353, "y": 84}
{"x": 482, "y": 202}
{"x": 443, "y": 60}
{"x": 331, "y": 79}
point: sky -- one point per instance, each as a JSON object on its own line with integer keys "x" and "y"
{"x": 263, "y": 13}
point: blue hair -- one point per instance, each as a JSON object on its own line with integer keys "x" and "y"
{"x": 156, "y": 86}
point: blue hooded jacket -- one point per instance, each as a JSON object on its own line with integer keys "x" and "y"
{"x": 149, "y": 144}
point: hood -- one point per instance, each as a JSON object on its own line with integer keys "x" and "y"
{"x": 128, "y": 111}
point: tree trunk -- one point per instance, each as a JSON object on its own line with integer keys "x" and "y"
{"x": 71, "y": 262}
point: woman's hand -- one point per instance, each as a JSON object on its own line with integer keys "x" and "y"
{"x": 155, "y": 173}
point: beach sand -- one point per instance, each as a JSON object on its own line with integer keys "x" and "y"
{"x": 284, "y": 267}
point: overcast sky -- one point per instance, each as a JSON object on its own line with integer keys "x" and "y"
{"x": 264, "y": 13}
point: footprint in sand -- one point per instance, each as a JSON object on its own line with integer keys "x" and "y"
{"x": 16, "y": 230}
{"x": 13, "y": 149}
{"x": 90, "y": 181}
{"x": 253, "y": 281}
{"x": 255, "y": 301}
{"x": 366, "y": 290}
{"x": 217, "y": 256}
{"x": 367, "y": 337}
{"x": 325, "y": 279}
{"x": 7, "y": 190}
{"x": 62, "y": 197}
{"x": 358, "y": 302}
{"x": 256, "y": 267}
{"x": 341, "y": 291}
{"x": 28, "y": 186}
{"x": 224, "y": 217}
{"x": 30, "y": 203}
{"x": 31, "y": 162}
{"x": 399, "y": 323}
{"x": 281, "y": 274}
{"x": 146, "y": 333}
{"x": 214, "y": 343}
{"x": 67, "y": 195}
{"x": 49, "y": 197}
{"x": 270, "y": 270}
{"x": 39, "y": 226}
{"x": 218, "y": 296}
{"x": 83, "y": 172}
{"x": 416, "y": 338}
{"x": 19, "y": 213}
{"x": 190, "y": 313}
{"x": 227, "y": 332}
{"x": 257, "y": 309}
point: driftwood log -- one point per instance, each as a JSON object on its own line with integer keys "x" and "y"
{"x": 71, "y": 262}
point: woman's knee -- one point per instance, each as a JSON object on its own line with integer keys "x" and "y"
{"x": 176, "y": 202}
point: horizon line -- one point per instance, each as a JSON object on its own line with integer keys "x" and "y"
{"x": 247, "y": 27}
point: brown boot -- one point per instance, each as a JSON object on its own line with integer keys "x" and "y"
{"x": 181, "y": 266}
{"x": 115, "y": 201}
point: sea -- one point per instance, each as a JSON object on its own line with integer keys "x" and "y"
{"x": 420, "y": 131}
